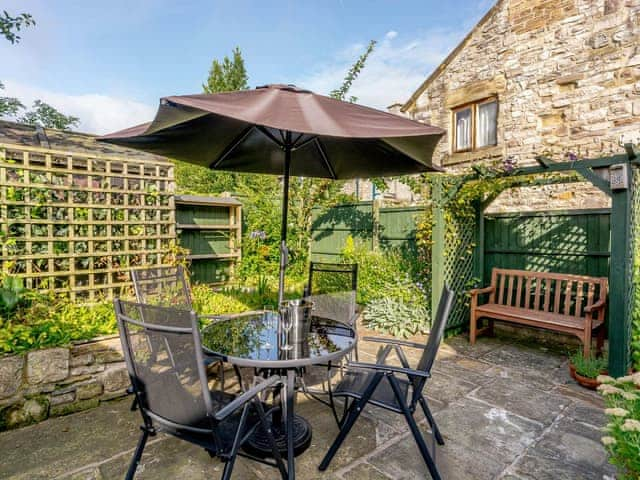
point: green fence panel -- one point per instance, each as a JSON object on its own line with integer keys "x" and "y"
{"x": 331, "y": 227}
{"x": 202, "y": 215}
{"x": 575, "y": 242}
{"x": 204, "y": 242}
{"x": 398, "y": 227}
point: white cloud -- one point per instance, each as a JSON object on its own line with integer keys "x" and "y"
{"x": 98, "y": 113}
{"x": 395, "y": 69}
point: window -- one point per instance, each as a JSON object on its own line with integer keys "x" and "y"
{"x": 475, "y": 126}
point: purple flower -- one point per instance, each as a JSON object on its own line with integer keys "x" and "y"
{"x": 509, "y": 163}
{"x": 259, "y": 234}
{"x": 572, "y": 157}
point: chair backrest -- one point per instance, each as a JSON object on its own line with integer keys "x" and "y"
{"x": 332, "y": 288}
{"x": 162, "y": 286}
{"x": 435, "y": 337}
{"x": 164, "y": 358}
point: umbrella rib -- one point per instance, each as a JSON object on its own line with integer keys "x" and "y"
{"x": 323, "y": 154}
{"x": 270, "y": 136}
{"x": 232, "y": 146}
{"x": 302, "y": 144}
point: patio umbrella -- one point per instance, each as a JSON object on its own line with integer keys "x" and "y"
{"x": 284, "y": 130}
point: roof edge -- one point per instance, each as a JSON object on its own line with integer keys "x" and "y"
{"x": 441, "y": 67}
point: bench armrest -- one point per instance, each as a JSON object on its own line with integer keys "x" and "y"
{"x": 480, "y": 291}
{"x": 596, "y": 306}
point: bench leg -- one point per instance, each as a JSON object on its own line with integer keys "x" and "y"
{"x": 490, "y": 327}
{"x": 600, "y": 344}
{"x": 587, "y": 344}
{"x": 473, "y": 327}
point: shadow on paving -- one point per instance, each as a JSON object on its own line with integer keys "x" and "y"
{"x": 506, "y": 411}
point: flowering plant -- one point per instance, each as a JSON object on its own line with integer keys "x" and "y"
{"x": 622, "y": 438}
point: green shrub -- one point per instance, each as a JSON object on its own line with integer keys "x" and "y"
{"x": 397, "y": 317}
{"x": 622, "y": 439}
{"x": 384, "y": 274}
{"x": 589, "y": 367}
{"x": 209, "y": 302}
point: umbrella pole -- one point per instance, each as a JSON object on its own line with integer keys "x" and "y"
{"x": 284, "y": 251}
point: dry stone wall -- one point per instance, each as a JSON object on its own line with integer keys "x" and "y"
{"x": 58, "y": 381}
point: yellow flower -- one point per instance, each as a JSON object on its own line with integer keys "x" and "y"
{"x": 631, "y": 425}
{"x": 605, "y": 379}
{"x": 629, "y": 396}
{"x": 636, "y": 378}
{"x": 616, "y": 412}
{"x": 608, "y": 440}
{"x": 626, "y": 379}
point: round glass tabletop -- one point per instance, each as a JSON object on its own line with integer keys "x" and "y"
{"x": 258, "y": 339}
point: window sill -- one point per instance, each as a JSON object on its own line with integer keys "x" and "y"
{"x": 472, "y": 155}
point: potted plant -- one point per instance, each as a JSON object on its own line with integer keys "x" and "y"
{"x": 585, "y": 370}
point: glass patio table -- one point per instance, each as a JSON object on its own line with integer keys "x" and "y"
{"x": 259, "y": 341}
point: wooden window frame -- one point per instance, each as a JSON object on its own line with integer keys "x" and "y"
{"x": 474, "y": 114}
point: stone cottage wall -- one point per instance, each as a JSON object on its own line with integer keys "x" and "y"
{"x": 58, "y": 381}
{"x": 566, "y": 74}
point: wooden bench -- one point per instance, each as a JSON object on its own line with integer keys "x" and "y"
{"x": 573, "y": 304}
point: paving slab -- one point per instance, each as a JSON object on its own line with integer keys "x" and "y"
{"x": 523, "y": 400}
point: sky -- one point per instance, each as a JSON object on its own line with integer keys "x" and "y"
{"x": 108, "y": 63}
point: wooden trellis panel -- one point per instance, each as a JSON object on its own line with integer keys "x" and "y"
{"x": 76, "y": 222}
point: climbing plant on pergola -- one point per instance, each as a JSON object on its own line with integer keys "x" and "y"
{"x": 459, "y": 270}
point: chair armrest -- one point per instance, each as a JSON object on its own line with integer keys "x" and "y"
{"x": 596, "y": 306}
{"x": 391, "y": 369}
{"x": 480, "y": 291}
{"x": 393, "y": 341}
{"x": 215, "y": 318}
{"x": 245, "y": 397}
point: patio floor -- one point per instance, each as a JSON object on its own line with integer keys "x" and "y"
{"x": 507, "y": 411}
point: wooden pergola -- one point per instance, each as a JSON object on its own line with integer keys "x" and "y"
{"x": 618, "y": 177}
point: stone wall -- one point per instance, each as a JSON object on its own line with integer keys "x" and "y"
{"x": 566, "y": 74}
{"x": 57, "y": 381}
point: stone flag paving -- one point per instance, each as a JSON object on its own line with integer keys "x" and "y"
{"x": 507, "y": 411}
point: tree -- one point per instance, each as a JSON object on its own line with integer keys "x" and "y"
{"x": 228, "y": 75}
{"x": 10, "y": 25}
{"x": 9, "y": 106}
{"x": 340, "y": 93}
{"x": 47, "y": 116}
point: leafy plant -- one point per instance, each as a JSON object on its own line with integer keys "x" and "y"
{"x": 397, "y": 317}
{"x": 622, "y": 438}
{"x": 589, "y": 367}
{"x": 12, "y": 293}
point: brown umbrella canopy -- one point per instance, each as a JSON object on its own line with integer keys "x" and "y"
{"x": 247, "y": 131}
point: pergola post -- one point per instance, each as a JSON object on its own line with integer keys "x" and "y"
{"x": 620, "y": 267}
{"x": 438, "y": 244}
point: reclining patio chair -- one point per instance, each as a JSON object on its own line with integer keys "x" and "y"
{"x": 383, "y": 385}
{"x": 167, "y": 286}
{"x": 170, "y": 385}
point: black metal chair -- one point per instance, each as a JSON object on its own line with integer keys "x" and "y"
{"x": 167, "y": 286}
{"x": 173, "y": 396}
{"x": 379, "y": 384}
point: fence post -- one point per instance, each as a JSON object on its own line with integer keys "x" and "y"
{"x": 437, "y": 244}
{"x": 619, "y": 280}
{"x": 375, "y": 222}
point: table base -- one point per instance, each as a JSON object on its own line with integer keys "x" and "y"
{"x": 258, "y": 443}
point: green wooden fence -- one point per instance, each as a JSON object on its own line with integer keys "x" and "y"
{"x": 577, "y": 241}
{"x": 365, "y": 222}
{"x": 210, "y": 228}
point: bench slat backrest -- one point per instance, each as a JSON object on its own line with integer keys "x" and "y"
{"x": 564, "y": 294}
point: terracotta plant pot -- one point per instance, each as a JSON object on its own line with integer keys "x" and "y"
{"x": 590, "y": 383}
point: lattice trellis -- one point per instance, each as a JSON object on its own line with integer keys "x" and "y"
{"x": 459, "y": 267}
{"x": 77, "y": 223}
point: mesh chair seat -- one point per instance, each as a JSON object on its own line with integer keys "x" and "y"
{"x": 355, "y": 382}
